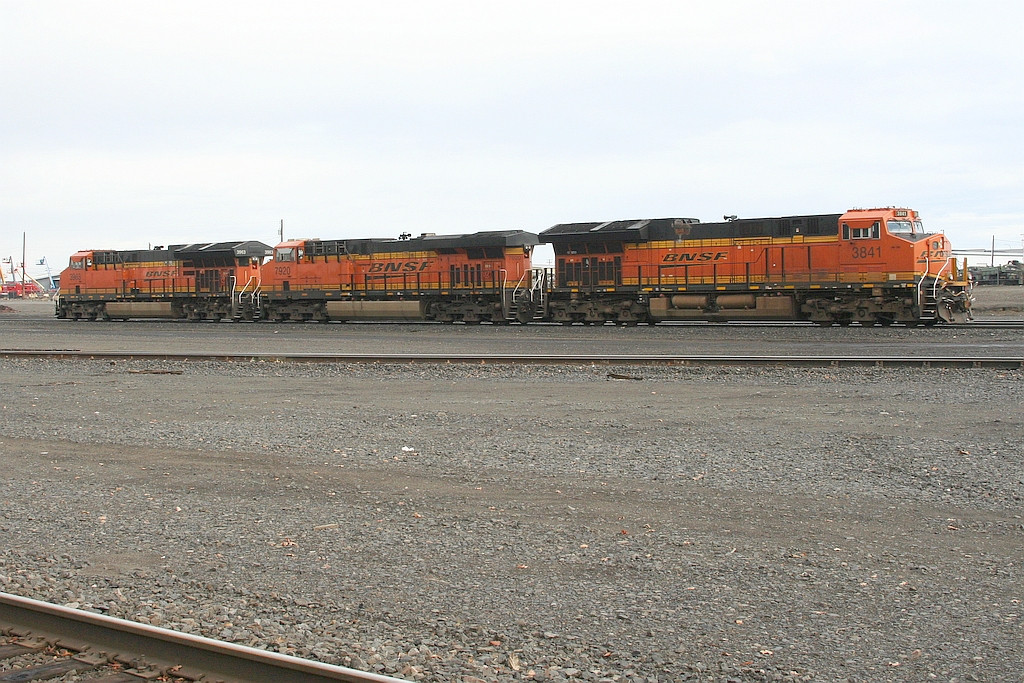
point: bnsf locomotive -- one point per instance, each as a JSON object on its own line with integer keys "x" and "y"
{"x": 191, "y": 281}
{"x": 470, "y": 278}
{"x": 871, "y": 266}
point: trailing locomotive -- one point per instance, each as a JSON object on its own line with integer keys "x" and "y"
{"x": 190, "y": 281}
{"x": 469, "y": 278}
{"x": 871, "y": 266}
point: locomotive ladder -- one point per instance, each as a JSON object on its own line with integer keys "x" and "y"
{"x": 935, "y": 303}
{"x": 530, "y": 288}
{"x": 248, "y": 294}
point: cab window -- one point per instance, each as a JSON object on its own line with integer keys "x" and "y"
{"x": 874, "y": 232}
{"x": 285, "y": 255}
{"x": 77, "y": 265}
{"x": 899, "y": 227}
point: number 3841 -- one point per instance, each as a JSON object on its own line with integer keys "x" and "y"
{"x": 867, "y": 252}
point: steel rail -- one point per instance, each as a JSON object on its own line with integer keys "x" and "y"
{"x": 992, "y": 324}
{"x": 998, "y": 362}
{"x": 163, "y": 649}
{"x": 988, "y": 324}
{"x": 1008, "y": 323}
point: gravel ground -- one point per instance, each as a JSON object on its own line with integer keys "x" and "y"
{"x": 493, "y": 523}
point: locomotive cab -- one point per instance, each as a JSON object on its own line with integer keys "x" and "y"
{"x": 71, "y": 277}
{"x": 911, "y": 272}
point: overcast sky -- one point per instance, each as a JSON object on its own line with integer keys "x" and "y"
{"x": 124, "y": 124}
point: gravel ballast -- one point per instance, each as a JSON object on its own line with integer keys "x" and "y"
{"x": 499, "y": 523}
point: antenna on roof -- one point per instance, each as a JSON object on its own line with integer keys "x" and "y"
{"x": 729, "y": 218}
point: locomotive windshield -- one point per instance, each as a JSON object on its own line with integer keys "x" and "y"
{"x": 905, "y": 227}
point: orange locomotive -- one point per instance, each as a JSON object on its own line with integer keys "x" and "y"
{"x": 485, "y": 276}
{"x": 873, "y": 266}
{"x": 193, "y": 281}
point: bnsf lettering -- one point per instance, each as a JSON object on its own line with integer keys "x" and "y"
{"x": 399, "y": 266}
{"x": 701, "y": 257}
{"x": 159, "y": 273}
{"x": 926, "y": 255}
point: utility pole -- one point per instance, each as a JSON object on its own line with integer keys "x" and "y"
{"x": 23, "y": 265}
{"x": 281, "y": 233}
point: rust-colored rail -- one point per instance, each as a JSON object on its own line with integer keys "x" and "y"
{"x": 120, "y": 650}
{"x": 994, "y": 362}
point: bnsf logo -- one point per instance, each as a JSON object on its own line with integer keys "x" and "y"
{"x": 702, "y": 256}
{"x": 399, "y": 267}
{"x": 159, "y": 273}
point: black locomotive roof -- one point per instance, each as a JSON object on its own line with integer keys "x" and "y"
{"x": 249, "y": 249}
{"x": 202, "y": 255}
{"x": 659, "y": 229}
{"x": 636, "y": 230}
{"x": 427, "y": 242}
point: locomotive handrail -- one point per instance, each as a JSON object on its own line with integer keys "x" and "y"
{"x": 935, "y": 284}
{"x": 920, "y": 283}
{"x": 252, "y": 278}
{"x": 506, "y": 299}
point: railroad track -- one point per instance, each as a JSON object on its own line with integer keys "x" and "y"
{"x": 987, "y": 324}
{"x": 42, "y": 641}
{"x": 996, "y": 362}
{"x": 997, "y": 324}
